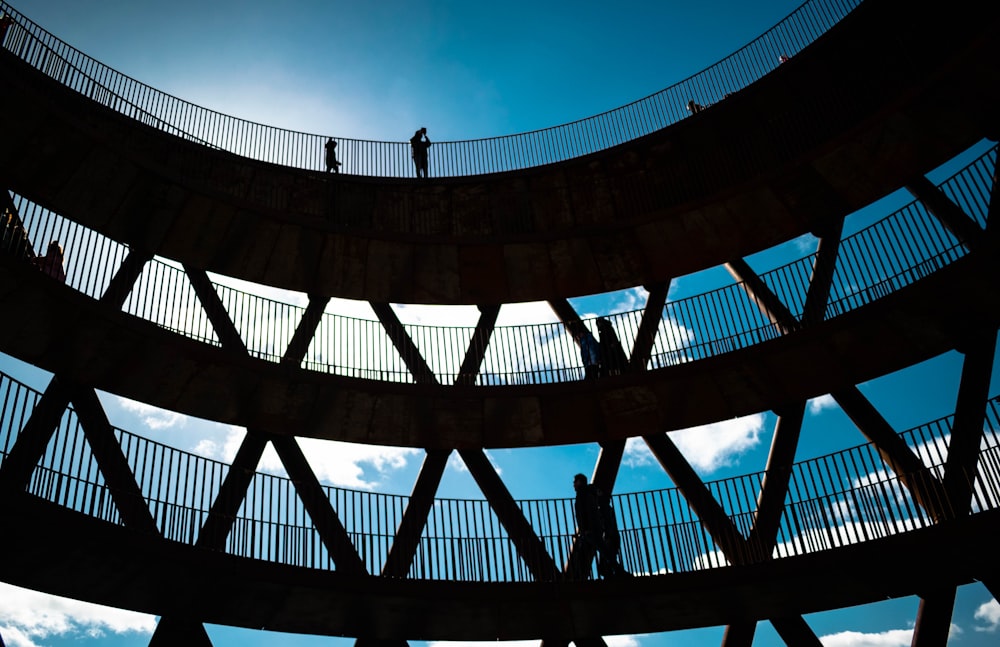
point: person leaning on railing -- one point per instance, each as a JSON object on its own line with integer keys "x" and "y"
{"x": 52, "y": 262}
{"x": 5, "y": 22}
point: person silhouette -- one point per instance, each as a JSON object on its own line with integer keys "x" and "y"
{"x": 419, "y": 144}
{"x": 331, "y": 156}
{"x": 597, "y": 527}
{"x": 613, "y": 359}
{"x": 590, "y": 353}
{"x": 52, "y": 262}
{"x": 5, "y": 22}
{"x": 693, "y": 106}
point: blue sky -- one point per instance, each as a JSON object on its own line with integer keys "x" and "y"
{"x": 464, "y": 70}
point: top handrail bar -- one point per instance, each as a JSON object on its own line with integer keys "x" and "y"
{"x": 39, "y": 48}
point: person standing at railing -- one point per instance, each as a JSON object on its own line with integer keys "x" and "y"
{"x": 5, "y": 22}
{"x": 694, "y": 107}
{"x": 331, "y": 156}
{"x": 52, "y": 262}
{"x": 597, "y": 527}
{"x": 590, "y": 353}
{"x": 613, "y": 360}
{"x": 419, "y": 144}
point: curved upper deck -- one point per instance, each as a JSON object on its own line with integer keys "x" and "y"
{"x": 895, "y": 293}
{"x": 852, "y": 117}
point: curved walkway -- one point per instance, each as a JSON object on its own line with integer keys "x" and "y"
{"x": 70, "y": 334}
{"x": 896, "y": 293}
{"x": 843, "y": 516}
{"x": 910, "y": 243}
{"x": 855, "y": 117}
{"x": 175, "y": 580}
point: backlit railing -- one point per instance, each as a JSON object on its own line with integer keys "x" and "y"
{"x": 872, "y": 263}
{"x": 832, "y": 501}
{"x": 43, "y": 51}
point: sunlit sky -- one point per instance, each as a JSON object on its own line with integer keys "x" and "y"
{"x": 464, "y": 70}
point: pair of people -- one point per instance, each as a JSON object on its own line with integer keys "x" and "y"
{"x": 597, "y": 527}
{"x": 604, "y": 358}
{"x": 419, "y": 144}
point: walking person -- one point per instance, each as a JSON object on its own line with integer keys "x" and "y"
{"x": 597, "y": 527}
{"x": 331, "y": 156}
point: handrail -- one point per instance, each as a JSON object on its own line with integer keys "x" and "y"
{"x": 835, "y": 500}
{"x": 872, "y": 263}
{"x": 40, "y": 49}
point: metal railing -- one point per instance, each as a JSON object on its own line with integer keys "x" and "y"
{"x": 872, "y": 263}
{"x": 46, "y": 53}
{"x": 836, "y": 500}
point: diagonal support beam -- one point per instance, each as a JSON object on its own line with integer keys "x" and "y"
{"x": 404, "y": 345}
{"x": 222, "y": 514}
{"x": 934, "y": 618}
{"x": 777, "y": 474}
{"x": 925, "y": 489}
{"x": 171, "y": 631}
{"x": 108, "y": 454}
{"x": 739, "y": 634}
{"x": 17, "y": 468}
{"x": 940, "y": 206}
{"x": 821, "y": 281}
{"x": 967, "y": 427}
{"x": 480, "y": 341}
{"x": 527, "y": 543}
{"x": 411, "y": 526}
{"x": 711, "y": 514}
{"x": 305, "y": 331}
{"x": 124, "y": 279}
{"x": 229, "y": 337}
{"x": 317, "y": 504}
{"x": 652, "y": 315}
{"x": 567, "y": 314}
{"x": 795, "y": 632}
{"x": 767, "y": 301}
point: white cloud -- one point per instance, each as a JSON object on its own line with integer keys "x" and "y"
{"x": 612, "y": 641}
{"x": 456, "y": 463}
{"x": 519, "y": 314}
{"x": 823, "y": 402}
{"x": 891, "y": 638}
{"x": 224, "y": 450}
{"x": 30, "y": 616}
{"x": 707, "y": 447}
{"x": 333, "y": 462}
{"x": 988, "y": 613}
{"x": 805, "y": 244}
{"x": 153, "y": 417}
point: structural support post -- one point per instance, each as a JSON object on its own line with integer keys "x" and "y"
{"x": 529, "y": 546}
{"x": 107, "y": 452}
{"x": 934, "y": 619}
{"x": 947, "y": 212}
{"x": 17, "y": 468}
{"x": 652, "y": 315}
{"x": 407, "y": 537}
